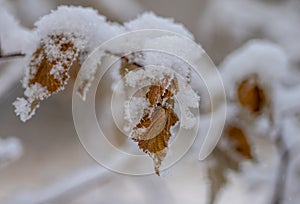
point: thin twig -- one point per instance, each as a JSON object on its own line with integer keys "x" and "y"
{"x": 278, "y": 197}
{"x": 10, "y": 55}
{"x": 63, "y": 189}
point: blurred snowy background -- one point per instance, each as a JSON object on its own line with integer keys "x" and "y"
{"x": 42, "y": 160}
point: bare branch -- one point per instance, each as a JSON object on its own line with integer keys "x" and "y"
{"x": 278, "y": 197}
{"x": 10, "y": 55}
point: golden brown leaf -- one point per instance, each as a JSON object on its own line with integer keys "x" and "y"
{"x": 153, "y": 123}
{"x": 153, "y": 141}
{"x": 48, "y": 72}
{"x": 251, "y": 95}
{"x": 239, "y": 141}
{"x": 158, "y": 120}
{"x": 41, "y": 65}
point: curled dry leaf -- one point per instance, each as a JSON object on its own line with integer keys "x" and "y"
{"x": 48, "y": 72}
{"x": 251, "y": 95}
{"x": 239, "y": 141}
{"x": 153, "y": 132}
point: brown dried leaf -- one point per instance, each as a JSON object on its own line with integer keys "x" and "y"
{"x": 48, "y": 72}
{"x": 41, "y": 65}
{"x": 156, "y": 137}
{"x": 153, "y": 123}
{"x": 157, "y": 121}
{"x": 239, "y": 141}
{"x": 251, "y": 95}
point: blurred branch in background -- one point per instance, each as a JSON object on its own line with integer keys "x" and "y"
{"x": 64, "y": 188}
{"x": 226, "y": 25}
{"x": 10, "y": 150}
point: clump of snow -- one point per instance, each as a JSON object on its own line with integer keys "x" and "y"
{"x": 187, "y": 95}
{"x": 25, "y": 108}
{"x": 85, "y": 22}
{"x": 172, "y": 51}
{"x": 134, "y": 109}
{"x": 36, "y": 91}
{"x": 177, "y": 45}
{"x": 87, "y": 73}
{"x": 149, "y": 20}
{"x": 13, "y": 37}
{"x": 290, "y": 131}
{"x": 287, "y": 100}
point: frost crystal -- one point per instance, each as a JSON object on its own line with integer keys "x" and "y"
{"x": 48, "y": 71}
{"x": 23, "y": 109}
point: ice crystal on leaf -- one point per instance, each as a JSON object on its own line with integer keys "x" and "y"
{"x": 65, "y": 34}
{"x": 48, "y": 72}
{"x": 162, "y": 88}
{"x": 153, "y": 131}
